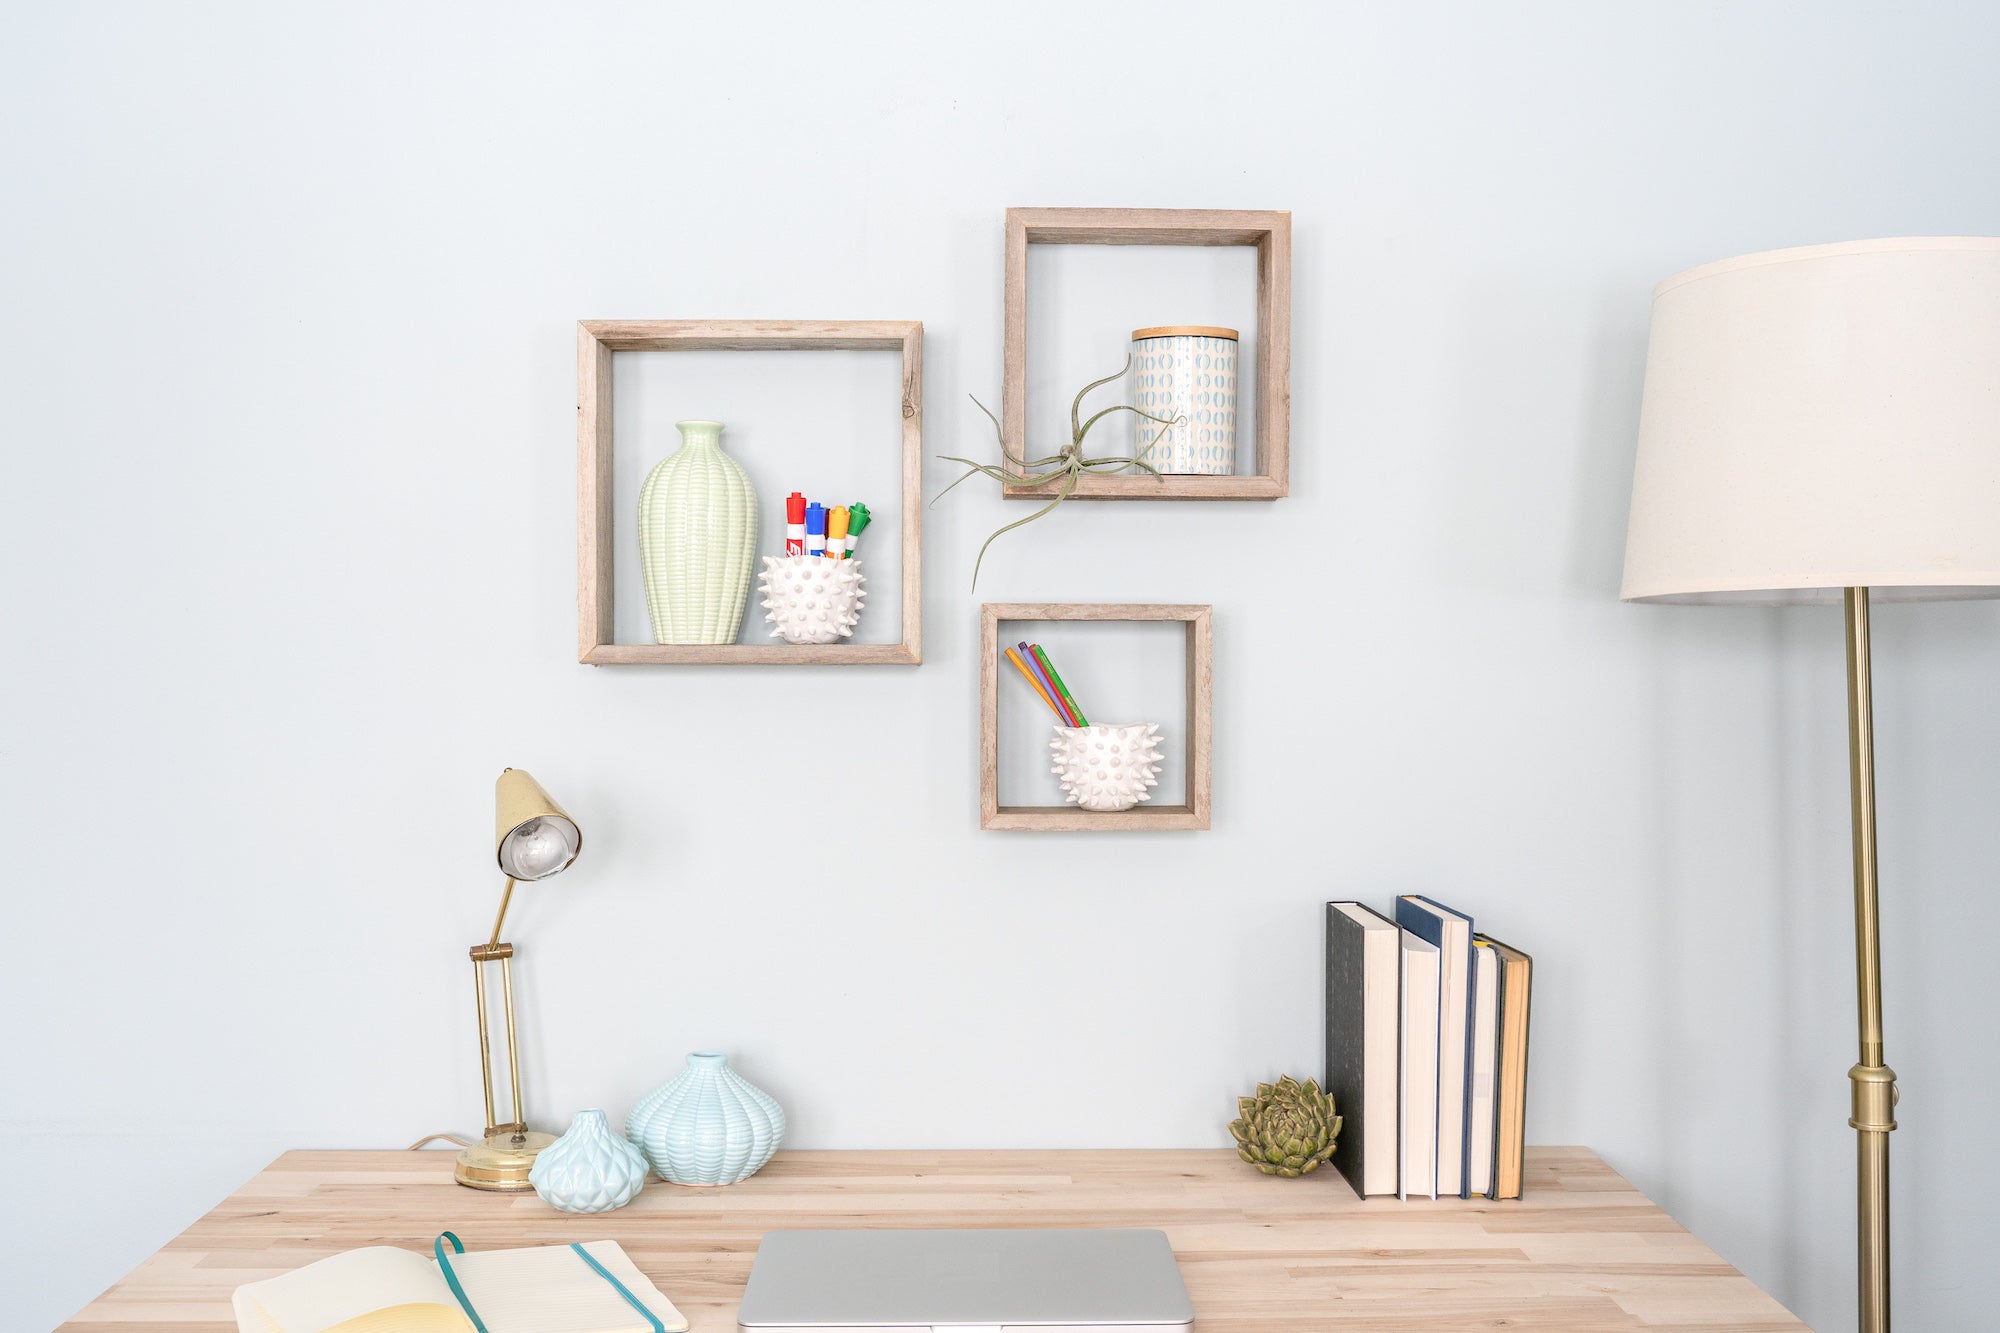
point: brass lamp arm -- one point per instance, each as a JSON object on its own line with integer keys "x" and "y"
{"x": 506, "y": 897}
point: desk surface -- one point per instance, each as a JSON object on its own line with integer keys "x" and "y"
{"x": 1583, "y": 1250}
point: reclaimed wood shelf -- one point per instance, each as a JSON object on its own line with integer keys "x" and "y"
{"x": 1582, "y": 1249}
{"x": 1192, "y": 814}
{"x": 596, "y": 341}
{"x": 1270, "y": 232}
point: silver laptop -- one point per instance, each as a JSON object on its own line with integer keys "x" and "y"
{"x": 965, "y": 1282}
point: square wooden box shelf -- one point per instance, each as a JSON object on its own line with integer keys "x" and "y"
{"x": 1200, "y": 639}
{"x": 1270, "y": 232}
{"x": 596, "y": 341}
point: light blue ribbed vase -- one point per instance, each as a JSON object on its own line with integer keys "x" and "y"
{"x": 709, "y": 1126}
{"x": 590, "y": 1169}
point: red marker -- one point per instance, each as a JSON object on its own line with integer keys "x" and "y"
{"x": 795, "y": 524}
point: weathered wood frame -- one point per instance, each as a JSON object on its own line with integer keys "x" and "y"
{"x": 596, "y": 341}
{"x": 1198, "y": 622}
{"x": 1269, "y": 232}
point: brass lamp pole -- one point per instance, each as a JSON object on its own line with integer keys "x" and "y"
{"x": 1874, "y": 1083}
{"x": 1822, "y": 425}
{"x": 533, "y": 839}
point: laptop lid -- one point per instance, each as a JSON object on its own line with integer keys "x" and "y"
{"x": 1050, "y": 1281}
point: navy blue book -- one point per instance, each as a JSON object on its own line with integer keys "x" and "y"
{"x": 1451, "y": 932}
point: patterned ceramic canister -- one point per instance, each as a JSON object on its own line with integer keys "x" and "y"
{"x": 590, "y": 1169}
{"x": 709, "y": 1126}
{"x": 697, "y": 538}
{"x": 1108, "y": 767}
{"x": 1186, "y": 373}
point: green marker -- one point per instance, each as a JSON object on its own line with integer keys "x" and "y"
{"x": 857, "y": 519}
{"x": 1057, "y": 681}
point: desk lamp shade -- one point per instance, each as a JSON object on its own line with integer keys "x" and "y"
{"x": 534, "y": 837}
{"x": 1819, "y": 419}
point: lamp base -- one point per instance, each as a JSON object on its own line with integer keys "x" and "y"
{"x": 502, "y": 1163}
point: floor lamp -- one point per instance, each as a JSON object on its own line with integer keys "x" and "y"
{"x": 1822, "y": 425}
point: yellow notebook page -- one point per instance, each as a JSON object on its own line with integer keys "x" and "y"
{"x": 379, "y": 1289}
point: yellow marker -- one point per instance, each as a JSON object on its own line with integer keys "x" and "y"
{"x": 836, "y": 532}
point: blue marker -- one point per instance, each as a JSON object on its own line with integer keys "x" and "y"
{"x": 815, "y": 529}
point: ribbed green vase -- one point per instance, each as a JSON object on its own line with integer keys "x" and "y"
{"x": 697, "y": 536}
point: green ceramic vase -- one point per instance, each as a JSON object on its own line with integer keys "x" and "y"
{"x": 697, "y": 537}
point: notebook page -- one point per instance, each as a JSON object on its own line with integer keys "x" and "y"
{"x": 550, "y": 1289}
{"x": 347, "y": 1288}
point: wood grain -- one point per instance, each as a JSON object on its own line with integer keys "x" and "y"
{"x": 751, "y": 335}
{"x": 1199, "y": 668}
{"x": 751, "y": 654}
{"x": 596, "y": 572}
{"x": 1270, "y": 231}
{"x": 1582, "y": 1249}
{"x": 593, "y": 492}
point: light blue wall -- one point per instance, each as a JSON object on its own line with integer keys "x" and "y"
{"x": 286, "y": 353}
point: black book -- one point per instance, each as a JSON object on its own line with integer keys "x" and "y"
{"x": 1363, "y": 969}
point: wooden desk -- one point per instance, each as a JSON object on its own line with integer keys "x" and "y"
{"x": 1584, "y": 1250}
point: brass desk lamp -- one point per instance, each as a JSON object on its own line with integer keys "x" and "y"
{"x": 533, "y": 839}
{"x": 1822, "y": 426}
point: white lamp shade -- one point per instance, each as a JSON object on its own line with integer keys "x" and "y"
{"x": 1822, "y": 418}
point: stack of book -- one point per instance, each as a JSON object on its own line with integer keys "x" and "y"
{"x": 1426, "y": 1051}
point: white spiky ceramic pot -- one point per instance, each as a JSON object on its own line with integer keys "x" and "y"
{"x": 1108, "y": 767}
{"x": 811, "y": 598}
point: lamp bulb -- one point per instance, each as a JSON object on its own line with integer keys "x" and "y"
{"x": 539, "y": 847}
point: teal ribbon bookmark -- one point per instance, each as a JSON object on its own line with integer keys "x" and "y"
{"x": 479, "y": 1325}
{"x": 451, "y": 1278}
{"x": 619, "y": 1287}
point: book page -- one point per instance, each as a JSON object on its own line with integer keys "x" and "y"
{"x": 550, "y": 1289}
{"x": 346, "y": 1291}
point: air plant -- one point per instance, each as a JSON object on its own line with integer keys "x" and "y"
{"x": 1069, "y": 463}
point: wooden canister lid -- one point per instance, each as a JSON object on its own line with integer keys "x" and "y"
{"x": 1184, "y": 331}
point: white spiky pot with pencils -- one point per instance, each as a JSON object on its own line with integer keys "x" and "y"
{"x": 1109, "y": 766}
{"x": 812, "y": 598}
{"x": 697, "y": 539}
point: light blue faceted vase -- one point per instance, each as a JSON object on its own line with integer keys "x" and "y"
{"x": 709, "y": 1126}
{"x": 590, "y": 1169}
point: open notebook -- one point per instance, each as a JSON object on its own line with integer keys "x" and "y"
{"x": 545, "y": 1289}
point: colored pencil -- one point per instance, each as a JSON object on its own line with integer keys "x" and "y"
{"x": 1062, "y": 690}
{"x": 1033, "y": 654}
{"x": 1022, "y": 667}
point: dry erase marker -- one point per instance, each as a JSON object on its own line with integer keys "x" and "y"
{"x": 836, "y": 532}
{"x": 815, "y": 529}
{"x": 857, "y": 519}
{"x": 795, "y": 524}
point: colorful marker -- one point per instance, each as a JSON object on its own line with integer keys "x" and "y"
{"x": 815, "y": 529}
{"x": 836, "y": 532}
{"x": 795, "y": 524}
{"x": 857, "y": 519}
{"x": 1062, "y": 690}
{"x": 1048, "y": 682}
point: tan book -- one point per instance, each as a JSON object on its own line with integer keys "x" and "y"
{"x": 380, "y": 1289}
{"x": 1511, "y": 1091}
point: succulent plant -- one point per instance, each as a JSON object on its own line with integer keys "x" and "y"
{"x": 1287, "y": 1129}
